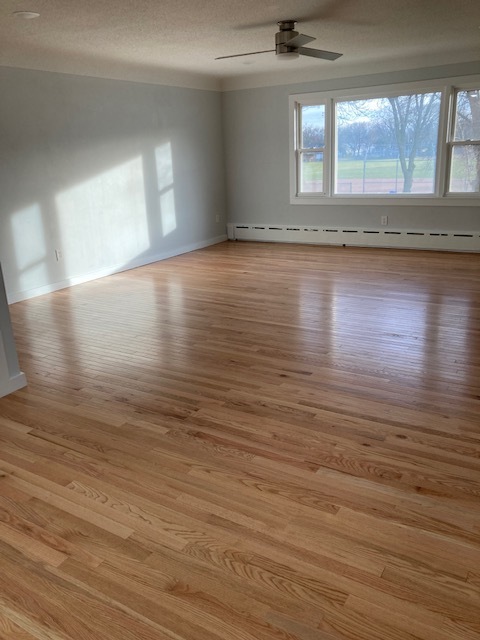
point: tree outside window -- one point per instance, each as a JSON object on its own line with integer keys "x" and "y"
{"x": 387, "y": 145}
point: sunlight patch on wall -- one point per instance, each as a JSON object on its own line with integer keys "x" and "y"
{"x": 167, "y": 209}
{"x": 166, "y": 198}
{"x": 103, "y": 221}
{"x": 29, "y": 246}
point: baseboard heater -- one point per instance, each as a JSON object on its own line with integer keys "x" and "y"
{"x": 360, "y": 237}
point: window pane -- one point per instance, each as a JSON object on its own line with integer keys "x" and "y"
{"x": 387, "y": 145}
{"x": 467, "y": 115}
{"x": 313, "y": 126}
{"x": 465, "y": 169}
{"x": 311, "y": 172}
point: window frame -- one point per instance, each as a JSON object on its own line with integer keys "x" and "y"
{"x": 300, "y": 150}
{"x": 452, "y": 143}
{"x": 447, "y": 87}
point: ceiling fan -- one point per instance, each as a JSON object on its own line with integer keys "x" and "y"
{"x": 289, "y": 44}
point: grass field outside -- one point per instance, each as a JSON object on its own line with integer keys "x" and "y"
{"x": 373, "y": 168}
{"x": 376, "y": 176}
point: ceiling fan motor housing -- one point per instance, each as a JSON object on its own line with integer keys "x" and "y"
{"x": 285, "y": 34}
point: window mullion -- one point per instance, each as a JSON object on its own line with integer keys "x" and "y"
{"x": 297, "y": 137}
{"x": 464, "y": 143}
{"x": 442, "y": 169}
{"x": 328, "y": 169}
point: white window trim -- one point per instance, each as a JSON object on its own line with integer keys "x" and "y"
{"x": 301, "y": 150}
{"x": 440, "y": 198}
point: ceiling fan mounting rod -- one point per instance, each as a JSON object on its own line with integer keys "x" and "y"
{"x": 287, "y": 25}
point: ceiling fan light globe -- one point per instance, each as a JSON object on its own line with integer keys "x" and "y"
{"x": 288, "y": 55}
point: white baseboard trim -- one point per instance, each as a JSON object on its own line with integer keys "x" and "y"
{"x": 386, "y": 237}
{"x": 18, "y": 296}
{"x": 13, "y": 384}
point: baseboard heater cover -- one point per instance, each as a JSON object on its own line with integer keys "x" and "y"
{"x": 361, "y": 237}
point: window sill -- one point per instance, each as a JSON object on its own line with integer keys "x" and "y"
{"x": 403, "y": 200}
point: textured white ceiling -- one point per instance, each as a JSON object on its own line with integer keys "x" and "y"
{"x": 176, "y": 41}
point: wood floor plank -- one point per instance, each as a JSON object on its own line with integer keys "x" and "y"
{"x": 16, "y": 627}
{"x": 252, "y": 442}
{"x": 66, "y": 608}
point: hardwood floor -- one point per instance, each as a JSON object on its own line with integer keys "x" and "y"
{"x": 252, "y": 442}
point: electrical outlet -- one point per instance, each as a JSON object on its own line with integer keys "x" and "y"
{"x": 58, "y": 254}
{"x": 384, "y": 221}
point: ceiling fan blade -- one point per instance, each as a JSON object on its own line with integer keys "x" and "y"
{"x": 298, "y": 41}
{"x": 318, "y": 53}
{"x": 239, "y": 55}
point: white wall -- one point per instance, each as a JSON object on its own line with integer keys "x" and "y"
{"x": 256, "y": 132}
{"x": 115, "y": 174}
{"x": 111, "y": 173}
